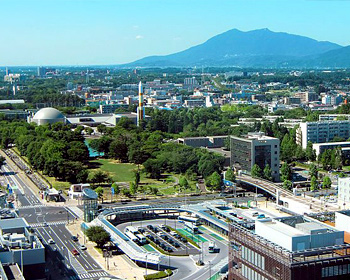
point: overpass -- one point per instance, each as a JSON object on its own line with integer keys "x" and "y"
{"x": 285, "y": 198}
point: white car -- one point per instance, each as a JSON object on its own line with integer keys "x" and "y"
{"x": 51, "y": 241}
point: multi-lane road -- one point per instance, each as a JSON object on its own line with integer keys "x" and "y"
{"x": 49, "y": 222}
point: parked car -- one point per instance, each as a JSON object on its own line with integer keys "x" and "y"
{"x": 75, "y": 252}
{"x": 82, "y": 247}
{"x": 51, "y": 241}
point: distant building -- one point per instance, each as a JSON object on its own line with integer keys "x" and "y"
{"x": 307, "y": 96}
{"x": 292, "y": 100}
{"x": 321, "y": 132}
{"x": 256, "y": 148}
{"x": 199, "y": 102}
{"x": 41, "y": 71}
{"x": 332, "y": 99}
{"x": 333, "y": 117}
{"x": 206, "y": 142}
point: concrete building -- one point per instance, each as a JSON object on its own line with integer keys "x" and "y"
{"x": 288, "y": 248}
{"x": 47, "y": 116}
{"x": 256, "y": 148}
{"x": 19, "y": 245}
{"x": 332, "y": 99}
{"x": 333, "y": 117}
{"x": 321, "y": 147}
{"x": 307, "y": 96}
{"x": 321, "y": 132}
{"x": 344, "y": 190}
{"x": 207, "y": 142}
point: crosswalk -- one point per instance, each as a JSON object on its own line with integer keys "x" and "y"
{"x": 92, "y": 275}
{"x": 31, "y": 206}
{"x": 36, "y": 225}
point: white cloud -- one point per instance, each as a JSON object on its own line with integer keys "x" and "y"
{"x": 138, "y": 37}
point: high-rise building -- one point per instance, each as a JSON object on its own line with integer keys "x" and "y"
{"x": 256, "y": 148}
{"x": 140, "y": 108}
{"x": 41, "y": 71}
{"x": 321, "y": 132}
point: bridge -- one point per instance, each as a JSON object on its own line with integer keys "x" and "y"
{"x": 297, "y": 204}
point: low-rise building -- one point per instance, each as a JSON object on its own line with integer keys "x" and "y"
{"x": 344, "y": 190}
{"x": 288, "y": 248}
{"x": 205, "y": 142}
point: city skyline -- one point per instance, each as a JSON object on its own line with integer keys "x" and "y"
{"x": 106, "y": 32}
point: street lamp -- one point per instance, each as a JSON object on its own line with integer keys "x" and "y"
{"x": 146, "y": 263}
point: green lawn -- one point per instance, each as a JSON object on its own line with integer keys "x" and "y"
{"x": 120, "y": 172}
{"x": 195, "y": 237}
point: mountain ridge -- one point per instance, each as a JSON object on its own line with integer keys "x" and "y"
{"x": 255, "y": 48}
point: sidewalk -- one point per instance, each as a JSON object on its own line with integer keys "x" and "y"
{"x": 119, "y": 266}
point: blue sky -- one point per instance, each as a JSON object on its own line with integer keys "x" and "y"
{"x": 82, "y": 32}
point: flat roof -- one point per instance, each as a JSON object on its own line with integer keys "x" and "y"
{"x": 331, "y": 143}
{"x": 281, "y": 227}
{"x": 13, "y": 223}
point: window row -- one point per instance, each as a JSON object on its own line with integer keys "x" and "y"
{"x": 336, "y": 270}
{"x": 253, "y": 257}
{"x": 250, "y": 274}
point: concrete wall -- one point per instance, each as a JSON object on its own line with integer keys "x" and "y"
{"x": 342, "y": 222}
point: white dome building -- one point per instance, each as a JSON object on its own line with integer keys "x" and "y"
{"x": 48, "y": 116}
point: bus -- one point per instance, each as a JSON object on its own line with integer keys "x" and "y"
{"x": 141, "y": 238}
{"x": 191, "y": 227}
{"x": 193, "y": 220}
{"x": 132, "y": 229}
{"x": 131, "y": 236}
{"x": 211, "y": 247}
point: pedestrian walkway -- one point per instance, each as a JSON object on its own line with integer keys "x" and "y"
{"x": 76, "y": 211}
{"x": 31, "y": 206}
{"x": 36, "y": 225}
{"x": 90, "y": 275}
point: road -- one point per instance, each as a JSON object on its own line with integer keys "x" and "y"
{"x": 49, "y": 223}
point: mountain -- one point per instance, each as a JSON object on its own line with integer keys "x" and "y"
{"x": 257, "y": 48}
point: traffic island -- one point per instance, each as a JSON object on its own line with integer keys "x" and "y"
{"x": 159, "y": 275}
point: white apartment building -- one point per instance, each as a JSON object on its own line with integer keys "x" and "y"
{"x": 322, "y": 132}
{"x": 344, "y": 190}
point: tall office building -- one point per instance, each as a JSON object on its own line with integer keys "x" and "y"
{"x": 140, "y": 108}
{"x": 256, "y": 148}
{"x": 41, "y": 71}
{"x": 321, "y": 132}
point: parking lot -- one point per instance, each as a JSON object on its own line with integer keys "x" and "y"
{"x": 163, "y": 239}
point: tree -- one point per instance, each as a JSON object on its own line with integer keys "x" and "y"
{"x": 153, "y": 167}
{"x": 98, "y": 235}
{"x": 313, "y": 171}
{"x": 287, "y": 185}
{"x": 286, "y": 172}
{"x": 230, "y": 175}
{"x": 116, "y": 188}
{"x": 214, "y": 181}
{"x": 133, "y": 188}
{"x": 267, "y": 172}
{"x": 327, "y": 183}
{"x": 313, "y": 184}
{"x": 310, "y": 152}
{"x": 99, "y": 177}
{"x": 183, "y": 183}
{"x": 137, "y": 178}
{"x": 2, "y": 161}
{"x": 100, "y": 192}
{"x": 256, "y": 171}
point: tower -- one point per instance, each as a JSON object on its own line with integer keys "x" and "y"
{"x": 140, "y": 108}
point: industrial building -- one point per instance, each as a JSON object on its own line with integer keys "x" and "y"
{"x": 256, "y": 148}
{"x": 288, "y": 248}
{"x": 321, "y": 132}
